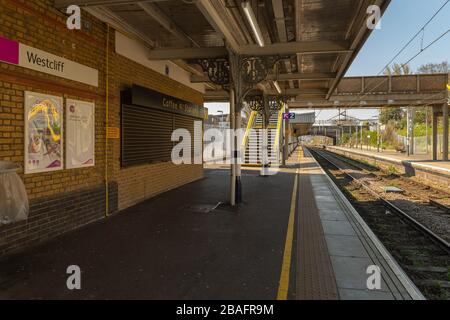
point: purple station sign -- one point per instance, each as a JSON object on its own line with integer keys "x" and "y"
{"x": 9, "y": 51}
{"x": 288, "y": 116}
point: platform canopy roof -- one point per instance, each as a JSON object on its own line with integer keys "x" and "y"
{"x": 318, "y": 39}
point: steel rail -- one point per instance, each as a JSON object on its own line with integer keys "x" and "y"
{"x": 414, "y": 223}
{"x": 432, "y": 201}
{"x": 354, "y": 163}
{"x": 439, "y": 205}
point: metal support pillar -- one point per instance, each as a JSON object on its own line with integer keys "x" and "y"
{"x": 235, "y": 123}
{"x": 410, "y": 130}
{"x": 286, "y": 140}
{"x": 445, "y": 134}
{"x": 233, "y": 159}
{"x": 265, "y": 141}
{"x": 378, "y": 136}
{"x": 264, "y": 154}
{"x": 361, "y": 136}
{"x": 435, "y": 133}
{"x": 381, "y": 141}
{"x": 426, "y": 129}
{"x": 239, "y": 158}
{"x": 350, "y": 137}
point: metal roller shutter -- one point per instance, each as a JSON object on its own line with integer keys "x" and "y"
{"x": 186, "y": 122}
{"x": 146, "y": 134}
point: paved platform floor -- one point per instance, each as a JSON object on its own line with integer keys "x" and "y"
{"x": 174, "y": 247}
{"x": 349, "y": 247}
{"x": 419, "y": 160}
{"x": 168, "y": 247}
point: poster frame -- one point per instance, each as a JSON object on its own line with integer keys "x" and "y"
{"x": 42, "y": 96}
{"x": 69, "y": 102}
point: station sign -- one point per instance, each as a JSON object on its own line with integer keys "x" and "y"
{"x": 15, "y": 53}
{"x": 288, "y": 116}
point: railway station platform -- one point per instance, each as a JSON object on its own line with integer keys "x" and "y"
{"x": 185, "y": 244}
{"x": 332, "y": 233}
{"x": 435, "y": 173}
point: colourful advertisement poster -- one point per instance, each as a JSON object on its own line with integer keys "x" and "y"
{"x": 80, "y": 134}
{"x": 43, "y": 133}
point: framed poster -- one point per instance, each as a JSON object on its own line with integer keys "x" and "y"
{"x": 43, "y": 133}
{"x": 80, "y": 134}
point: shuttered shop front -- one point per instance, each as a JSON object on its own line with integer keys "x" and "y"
{"x": 148, "y": 120}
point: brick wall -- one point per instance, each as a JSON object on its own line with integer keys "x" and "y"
{"x": 64, "y": 200}
{"x": 138, "y": 183}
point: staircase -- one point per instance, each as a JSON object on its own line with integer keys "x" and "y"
{"x": 253, "y": 150}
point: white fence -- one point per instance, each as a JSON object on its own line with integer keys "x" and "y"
{"x": 420, "y": 144}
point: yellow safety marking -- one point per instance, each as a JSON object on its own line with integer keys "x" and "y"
{"x": 287, "y": 257}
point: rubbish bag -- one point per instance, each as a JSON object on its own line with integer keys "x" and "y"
{"x": 14, "y": 205}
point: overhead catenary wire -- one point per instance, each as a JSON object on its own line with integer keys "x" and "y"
{"x": 429, "y": 45}
{"x": 421, "y": 30}
{"x": 359, "y": 97}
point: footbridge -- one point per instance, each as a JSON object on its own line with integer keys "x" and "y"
{"x": 419, "y": 90}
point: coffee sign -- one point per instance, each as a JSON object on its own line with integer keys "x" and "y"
{"x": 153, "y": 99}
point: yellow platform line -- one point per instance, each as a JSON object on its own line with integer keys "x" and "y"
{"x": 287, "y": 256}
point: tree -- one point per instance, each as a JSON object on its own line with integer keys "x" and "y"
{"x": 389, "y": 114}
{"x": 397, "y": 69}
{"x": 430, "y": 68}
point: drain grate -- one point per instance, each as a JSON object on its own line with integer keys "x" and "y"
{"x": 202, "y": 208}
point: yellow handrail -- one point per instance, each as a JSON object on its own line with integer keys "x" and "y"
{"x": 249, "y": 127}
{"x": 279, "y": 126}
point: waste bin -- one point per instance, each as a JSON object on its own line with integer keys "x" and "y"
{"x": 13, "y": 195}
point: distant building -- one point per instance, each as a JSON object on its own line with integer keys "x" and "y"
{"x": 222, "y": 122}
{"x": 217, "y": 121}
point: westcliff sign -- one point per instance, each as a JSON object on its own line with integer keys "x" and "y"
{"x": 16, "y": 53}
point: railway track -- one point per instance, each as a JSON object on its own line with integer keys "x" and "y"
{"x": 419, "y": 201}
{"x": 422, "y": 253}
{"x": 433, "y": 196}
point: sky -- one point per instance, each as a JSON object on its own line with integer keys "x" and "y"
{"x": 401, "y": 21}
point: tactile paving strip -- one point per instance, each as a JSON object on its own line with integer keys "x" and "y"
{"x": 315, "y": 276}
